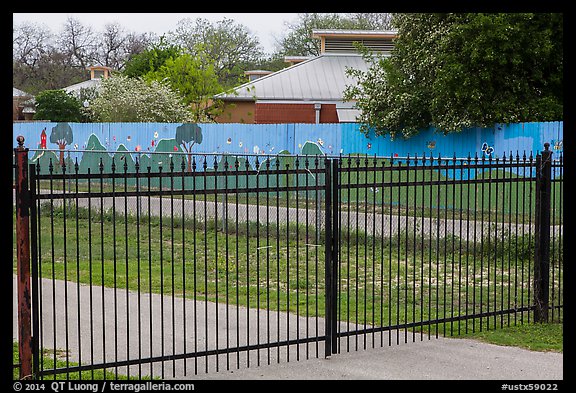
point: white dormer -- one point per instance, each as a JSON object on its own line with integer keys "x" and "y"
{"x": 255, "y": 74}
{"x": 342, "y": 41}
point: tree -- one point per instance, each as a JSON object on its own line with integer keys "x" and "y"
{"x": 42, "y": 60}
{"x": 188, "y": 135}
{"x": 29, "y": 43}
{"x": 455, "y": 71}
{"x": 114, "y": 46}
{"x": 36, "y": 64}
{"x": 78, "y": 42}
{"x": 194, "y": 78}
{"x": 58, "y": 105}
{"x": 230, "y": 45}
{"x": 123, "y": 99}
{"x": 61, "y": 135}
{"x": 151, "y": 59}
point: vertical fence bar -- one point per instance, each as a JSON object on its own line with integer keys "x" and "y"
{"x": 23, "y": 259}
{"x": 542, "y": 238}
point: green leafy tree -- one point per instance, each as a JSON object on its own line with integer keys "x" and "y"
{"x": 454, "y": 71}
{"x": 58, "y": 105}
{"x": 123, "y": 99}
{"x": 188, "y": 135}
{"x": 151, "y": 59}
{"x": 231, "y": 46}
{"x": 62, "y": 135}
{"x": 195, "y": 79}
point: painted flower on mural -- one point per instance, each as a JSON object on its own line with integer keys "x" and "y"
{"x": 240, "y": 144}
{"x": 369, "y": 145}
{"x": 431, "y": 145}
{"x": 557, "y": 145}
{"x": 229, "y": 141}
{"x": 138, "y": 148}
{"x": 156, "y": 134}
{"x": 255, "y": 149}
{"x": 128, "y": 138}
{"x": 175, "y": 148}
{"x": 487, "y": 149}
{"x": 320, "y": 142}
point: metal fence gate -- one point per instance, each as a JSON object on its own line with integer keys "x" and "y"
{"x": 171, "y": 265}
{"x": 429, "y": 246}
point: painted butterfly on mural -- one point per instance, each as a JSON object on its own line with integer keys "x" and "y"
{"x": 487, "y": 149}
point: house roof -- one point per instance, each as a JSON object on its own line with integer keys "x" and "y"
{"x": 83, "y": 85}
{"x": 19, "y": 93}
{"x": 318, "y": 33}
{"x": 321, "y": 78}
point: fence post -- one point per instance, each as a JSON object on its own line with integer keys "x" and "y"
{"x": 335, "y": 250}
{"x": 332, "y": 240}
{"x": 542, "y": 237}
{"x": 328, "y": 259}
{"x": 23, "y": 259}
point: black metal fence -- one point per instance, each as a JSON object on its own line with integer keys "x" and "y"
{"x": 198, "y": 263}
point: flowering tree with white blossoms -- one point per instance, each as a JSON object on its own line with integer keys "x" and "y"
{"x": 123, "y": 99}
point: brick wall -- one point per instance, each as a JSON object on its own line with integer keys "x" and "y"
{"x": 294, "y": 113}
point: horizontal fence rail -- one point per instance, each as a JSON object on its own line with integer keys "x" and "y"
{"x": 198, "y": 263}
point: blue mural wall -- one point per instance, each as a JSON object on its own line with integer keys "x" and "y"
{"x": 272, "y": 139}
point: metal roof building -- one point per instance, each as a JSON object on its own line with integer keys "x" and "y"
{"x": 311, "y": 90}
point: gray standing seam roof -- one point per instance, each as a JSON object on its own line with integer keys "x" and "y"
{"x": 19, "y": 93}
{"x": 321, "y": 78}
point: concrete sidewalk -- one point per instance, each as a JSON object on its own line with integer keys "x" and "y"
{"x": 126, "y": 325}
{"x": 434, "y": 359}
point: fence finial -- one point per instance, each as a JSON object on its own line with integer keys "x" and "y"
{"x": 20, "y": 140}
{"x": 546, "y": 146}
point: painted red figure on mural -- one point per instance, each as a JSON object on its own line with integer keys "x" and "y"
{"x": 43, "y": 139}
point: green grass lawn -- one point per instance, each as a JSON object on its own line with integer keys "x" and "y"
{"x": 48, "y": 364}
{"x": 392, "y": 280}
{"x": 545, "y": 337}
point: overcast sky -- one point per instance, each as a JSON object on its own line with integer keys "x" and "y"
{"x": 267, "y": 26}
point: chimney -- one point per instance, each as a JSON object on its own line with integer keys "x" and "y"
{"x": 99, "y": 72}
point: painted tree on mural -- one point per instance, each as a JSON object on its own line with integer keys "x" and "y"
{"x": 62, "y": 136}
{"x": 187, "y": 135}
